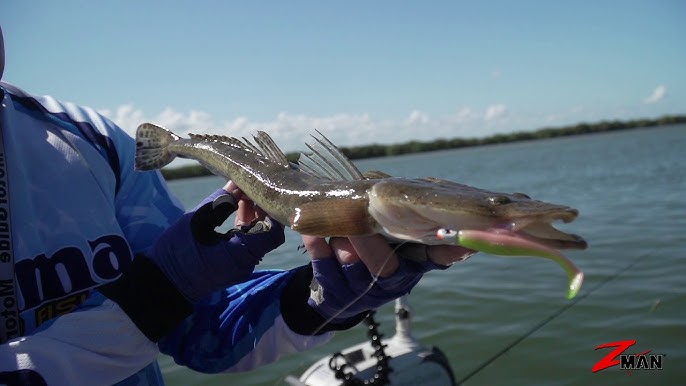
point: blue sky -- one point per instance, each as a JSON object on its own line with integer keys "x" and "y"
{"x": 359, "y": 71}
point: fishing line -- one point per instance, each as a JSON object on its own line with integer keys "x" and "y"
{"x": 545, "y": 321}
{"x": 375, "y": 278}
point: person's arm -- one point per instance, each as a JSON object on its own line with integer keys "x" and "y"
{"x": 280, "y": 312}
{"x": 98, "y": 342}
{"x": 112, "y": 337}
{"x": 238, "y": 329}
{"x": 114, "y": 333}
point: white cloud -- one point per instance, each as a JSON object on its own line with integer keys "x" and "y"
{"x": 291, "y": 131}
{"x": 126, "y": 116}
{"x": 466, "y": 114}
{"x": 658, "y": 94}
{"x": 417, "y": 118}
{"x": 495, "y": 112}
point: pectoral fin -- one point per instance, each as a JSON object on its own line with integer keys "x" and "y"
{"x": 343, "y": 217}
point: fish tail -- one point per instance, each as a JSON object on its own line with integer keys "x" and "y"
{"x": 152, "y": 146}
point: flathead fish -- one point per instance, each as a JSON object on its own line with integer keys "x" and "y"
{"x": 325, "y": 195}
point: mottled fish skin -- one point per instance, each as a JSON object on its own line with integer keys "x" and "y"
{"x": 325, "y": 195}
{"x": 282, "y": 190}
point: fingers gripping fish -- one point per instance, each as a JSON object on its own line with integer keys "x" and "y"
{"x": 325, "y": 195}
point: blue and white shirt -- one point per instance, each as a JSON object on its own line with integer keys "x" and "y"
{"x": 77, "y": 214}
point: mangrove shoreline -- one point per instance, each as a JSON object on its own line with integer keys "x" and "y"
{"x": 379, "y": 150}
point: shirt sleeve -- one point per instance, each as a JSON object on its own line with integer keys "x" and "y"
{"x": 240, "y": 328}
{"x": 143, "y": 203}
{"x": 96, "y": 342}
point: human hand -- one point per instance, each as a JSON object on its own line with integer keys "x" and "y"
{"x": 198, "y": 260}
{"x": 358, "y": 274}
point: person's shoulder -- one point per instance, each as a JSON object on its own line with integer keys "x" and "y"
{"x": 7, "y": 87}
{"x": 68, "y": 112}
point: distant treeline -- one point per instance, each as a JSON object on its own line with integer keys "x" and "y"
{"x": 378, "y": 150}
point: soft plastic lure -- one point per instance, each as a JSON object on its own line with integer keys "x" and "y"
{"x": 502, "y": 242}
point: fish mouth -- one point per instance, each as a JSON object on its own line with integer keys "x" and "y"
{"x": 421, "y": 224}
{"x": 541, "y": 231}
{"x": 415, "y": 210}
{"x": 523, "y": 237}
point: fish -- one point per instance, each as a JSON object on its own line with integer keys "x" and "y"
{"x": 324, "y": 194}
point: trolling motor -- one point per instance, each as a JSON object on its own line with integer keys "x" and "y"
{"x": 400, "y": 360}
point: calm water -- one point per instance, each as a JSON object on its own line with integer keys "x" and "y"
{"x": 631, "y": 190}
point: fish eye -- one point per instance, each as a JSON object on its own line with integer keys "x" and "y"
{"x": 499, "y": 200}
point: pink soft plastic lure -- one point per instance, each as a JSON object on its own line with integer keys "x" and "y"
{"x": 507, "y": 243}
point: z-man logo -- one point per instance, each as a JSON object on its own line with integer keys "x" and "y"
{"x": 642, "y": 361}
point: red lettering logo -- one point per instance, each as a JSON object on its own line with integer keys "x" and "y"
{"x": 611, "y": 359}
{"x": 628, "y": 362}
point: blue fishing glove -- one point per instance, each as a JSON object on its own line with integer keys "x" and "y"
{"x": 340, "y": 292}
{"x": 198, "y": 260}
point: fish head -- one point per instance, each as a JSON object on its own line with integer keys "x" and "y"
{"x": 417, "y": 209}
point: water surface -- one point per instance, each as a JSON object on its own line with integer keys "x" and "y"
{"x": 630, "y": 188}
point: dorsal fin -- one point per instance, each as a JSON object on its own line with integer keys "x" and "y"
{"x": 327, "y": 161}
{"x": 273, "y": 151}
{"x": 264, "y": 145}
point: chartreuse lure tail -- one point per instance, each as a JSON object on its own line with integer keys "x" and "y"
{"x": 506, "y": 243}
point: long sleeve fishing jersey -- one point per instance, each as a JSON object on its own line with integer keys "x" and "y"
{"x": 73, "y": 214}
